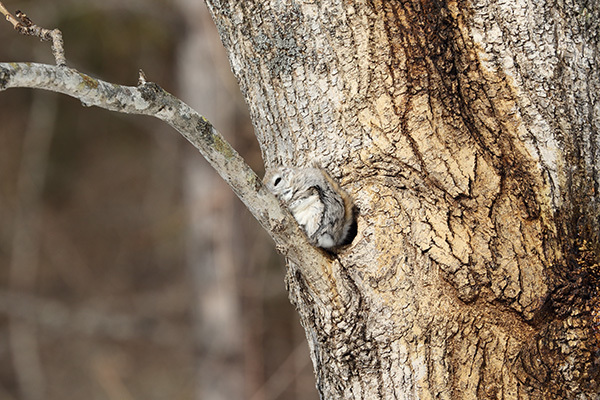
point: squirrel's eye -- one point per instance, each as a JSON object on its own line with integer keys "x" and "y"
{"x": 277, "y": 181}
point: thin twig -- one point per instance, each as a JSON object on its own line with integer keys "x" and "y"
{"x": 24, "y": 25}
{"x": 9, "y": 17}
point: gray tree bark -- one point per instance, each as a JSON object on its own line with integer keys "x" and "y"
{"x": 467, "y": 134}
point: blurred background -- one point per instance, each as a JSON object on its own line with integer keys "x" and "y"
{"x": 128, "y": 269}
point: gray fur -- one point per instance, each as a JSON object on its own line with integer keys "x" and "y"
{"x": 321, "y": 207}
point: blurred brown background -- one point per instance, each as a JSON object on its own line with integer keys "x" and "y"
{"x": 128, "y": 270}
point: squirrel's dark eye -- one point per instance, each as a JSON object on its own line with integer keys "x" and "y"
{"x": 277, "y": 181}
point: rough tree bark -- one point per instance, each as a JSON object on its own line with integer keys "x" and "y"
{"x": 467, "y": 133}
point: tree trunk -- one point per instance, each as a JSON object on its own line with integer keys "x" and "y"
{"x": 467, "y": 135}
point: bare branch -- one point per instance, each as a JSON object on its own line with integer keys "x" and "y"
{"x": 24, "y": 25}
{"x": 150, "y": 99}
{"x": 320, "y": 271}
{"x": 147, "y": 99}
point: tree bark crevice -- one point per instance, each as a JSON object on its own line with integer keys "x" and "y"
{"x": 429, "y": 116}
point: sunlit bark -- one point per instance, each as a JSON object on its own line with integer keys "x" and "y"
{"x": 467, "y": 135}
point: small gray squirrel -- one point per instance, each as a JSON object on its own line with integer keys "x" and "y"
{"x": 322, "y": 208}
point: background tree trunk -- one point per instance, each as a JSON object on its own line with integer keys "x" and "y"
{"x": 214, "y": 268}
{"x": 467, "y": 135}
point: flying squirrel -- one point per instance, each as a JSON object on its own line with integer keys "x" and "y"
{"x": 322, "y": 208}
